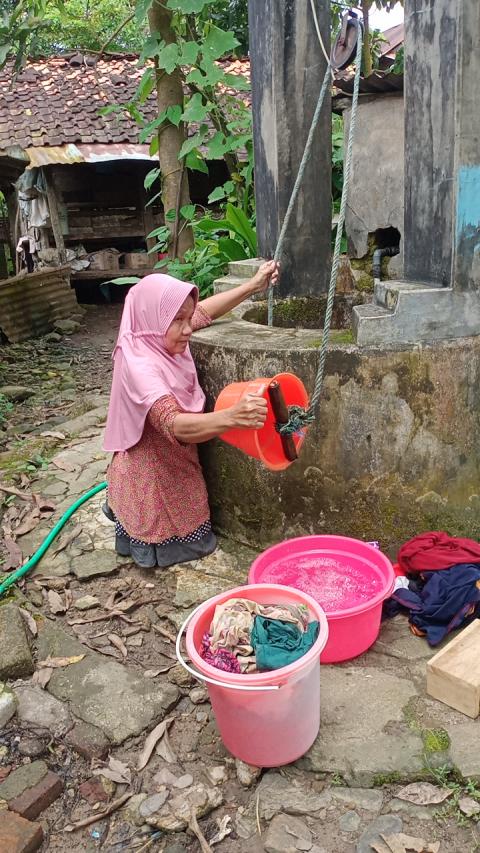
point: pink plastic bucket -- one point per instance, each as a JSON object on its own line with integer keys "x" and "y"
{"x": 349, "y": 578}
{"x": 271, "y": 718}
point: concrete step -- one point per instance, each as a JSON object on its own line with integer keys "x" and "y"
{"x": 387, "y": 293}
{"x": 245, "y": 269}
{"x": 220, "y": 285}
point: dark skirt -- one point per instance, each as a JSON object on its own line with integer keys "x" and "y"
{"x": 147, "y": 555}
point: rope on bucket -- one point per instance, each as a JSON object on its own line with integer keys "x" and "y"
{"x": 199, "y": 676}
{"x": 298, "y": 416}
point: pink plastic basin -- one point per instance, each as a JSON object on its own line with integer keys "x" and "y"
{"x": 349, "y": 578}
{"x": 264, "y": 728}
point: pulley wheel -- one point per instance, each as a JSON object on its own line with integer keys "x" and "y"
{"x": 345, "y": 48}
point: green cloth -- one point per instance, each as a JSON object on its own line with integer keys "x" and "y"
{"x": 277, "y": 643}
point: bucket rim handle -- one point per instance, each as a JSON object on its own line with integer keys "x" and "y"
{"x": 200, "y": 677}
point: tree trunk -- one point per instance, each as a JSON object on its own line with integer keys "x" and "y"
{"x": 367, "y": 56}
{"x": 174, "y": 178}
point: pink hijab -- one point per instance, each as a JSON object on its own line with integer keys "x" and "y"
{"x": 143, "y": 368}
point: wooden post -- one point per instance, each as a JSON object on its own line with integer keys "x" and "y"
{"x": 54, "y": 216}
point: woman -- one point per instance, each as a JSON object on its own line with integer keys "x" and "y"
{"x": 156, "y": 492}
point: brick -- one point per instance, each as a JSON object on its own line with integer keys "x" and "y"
{"x": 35, "y": 800}
{"x": 88, "y": 741}
{"x": 18, "y": 835}
{"x": 24, "y": 777}
{"x": 93, "y": 791}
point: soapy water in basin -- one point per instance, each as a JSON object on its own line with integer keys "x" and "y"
{"x": 335, "y": 583}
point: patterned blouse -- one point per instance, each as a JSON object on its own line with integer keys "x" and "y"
{"x": 156, "y": 488}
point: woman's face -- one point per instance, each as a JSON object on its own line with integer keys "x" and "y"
{"x": 180, "y": 329}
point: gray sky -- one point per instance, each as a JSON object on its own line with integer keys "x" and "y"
{"x": 384, "y": 20}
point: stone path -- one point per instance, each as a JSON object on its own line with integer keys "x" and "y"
{"x": 379, "y": 729}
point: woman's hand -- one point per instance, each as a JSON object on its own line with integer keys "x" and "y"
{"x": 250, "y": 412}
{"x": 268, "y": 273}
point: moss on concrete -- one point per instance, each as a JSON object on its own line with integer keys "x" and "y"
{"x": 435, "y": 740}
{"x": 382, "y": 779}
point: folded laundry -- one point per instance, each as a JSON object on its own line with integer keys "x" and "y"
{"x": 277, "y": 643}
{"x": 439, "y": 602}
{"x": 429, "y": 552}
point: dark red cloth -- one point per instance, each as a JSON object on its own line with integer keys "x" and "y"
{"x": 431, "y": 551}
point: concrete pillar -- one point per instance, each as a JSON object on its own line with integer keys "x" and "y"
{"x": 467, "y": 150}
{"x": 288, "y": 67}
{"x": 430, "y": 66}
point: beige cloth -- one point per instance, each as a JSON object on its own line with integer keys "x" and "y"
{"x": 232, "y": 626}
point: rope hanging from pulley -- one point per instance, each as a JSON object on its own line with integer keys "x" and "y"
{"x": 299, "y": 417}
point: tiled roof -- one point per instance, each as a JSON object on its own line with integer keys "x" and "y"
{"x": 56, "y": 101}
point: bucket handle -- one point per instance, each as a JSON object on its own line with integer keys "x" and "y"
{"x": 199, "y": 676}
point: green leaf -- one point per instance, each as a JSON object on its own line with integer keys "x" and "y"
{"x": 217, "y": 195}
{"x": 154, "y": 198}
{"x": 195, "y": 162}
{"x": 170, "y": 215}
{"x": 217, "y": 146}
{"x": 128, "y": 279}
{"x": 193, "y": 141}
{"x": 238, "y": 222}
{"x": 150, "y": 178}
{"x": 195, "y": 109}
{"x": 168, "y": 57}
{"x": 210, "y": 226}
{"x": 150, "y": 48}
{"x": 162, "y": 231}
{"x": 112, "y": 108}
{"x": 141, "y": 9}
{"x": 219, "y": 42}
{"x": 232, "y": 249}
{"x": 174, "y": 114}
{"x": 154, "y": 144}
{"x": 213, "y": 72}
{"x": 189, "y": 52}
{"x": 237, "y": 81}
{"x": 188, "y": 212}
{"x": 146, "y": 86}
{"x": 187, "y": 6}
{"x": 149, "y": 128}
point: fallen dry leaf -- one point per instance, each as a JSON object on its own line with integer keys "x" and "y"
{"x": 52, "y": 434}
{"x": 158, "y": 732}
{"x": 165, "y": 751}
{"x": 194, "y": 827}
{"x": 152, "y": 673}
{"x": 44, "y": 504}
{"x": 71, "y": 827}
{"x": 66, "y": 540}
{"x": 224, "y": 829}
{"x": 115, "y": 770}
{"x": 29, "y": 522}
{"x": 68, "y": 599}
{"x": 63, "y": 464}
{"x": 424, "y": 794}
{"x": 14, "y": 554}
{"x": 401, "y": 843}
{"x": 56, "y": 663}
{"x": 42, "y": 676}
{"x": 52, "y": 583}
{"x": 32, "y": 625}
{"x": 11, "y": 490}
{"x": 469, "y": 806}
{"x": 119, "y": 644}
{"x": 55, "y": 602}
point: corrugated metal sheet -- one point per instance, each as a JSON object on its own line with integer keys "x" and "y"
{"x": 31, "y": 302}
{"x": 96, "y": 153}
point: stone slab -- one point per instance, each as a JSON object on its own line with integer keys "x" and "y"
{"x": 94, "y": 564}
{"x": 8, "y": 705}
{"x": 276, "y": 794}
{"x": 37, "y": 707}
{"x": 16, "y": 659}
{"x": 386, "y": 824}
{"x": 18, "y": 835}
{"x": 369, "y": 799}
{"x": 464, "y": 753}
{"x": 286, "y": 834}
{"x": 88, "y": 741}
{"x": 360, "y": 742}
{"x": 104, "y": 693}
{"x": 33, "y": 801}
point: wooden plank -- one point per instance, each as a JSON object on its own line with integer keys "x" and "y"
{"x": 107, "y": 275}
{"x": 453, "y": 674}
{"x": 54, "y": 215}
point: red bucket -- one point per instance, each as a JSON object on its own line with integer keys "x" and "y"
{"x": 264, "y": 444}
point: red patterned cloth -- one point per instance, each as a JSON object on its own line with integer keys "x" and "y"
{"x": 156, "y": 488}
{"x": 431, "y": 551}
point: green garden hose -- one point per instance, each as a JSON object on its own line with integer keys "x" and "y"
{"x": 19, "y": 573}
